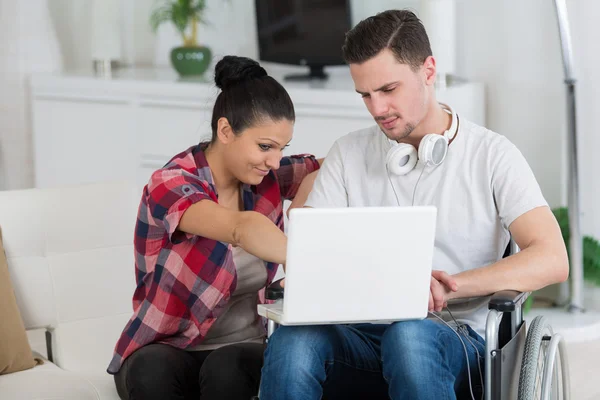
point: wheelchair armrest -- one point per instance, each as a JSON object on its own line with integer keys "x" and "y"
{"x": 504, "y": 301}
{"x": 507, "y": 300}
{"x": 274, "y": 291}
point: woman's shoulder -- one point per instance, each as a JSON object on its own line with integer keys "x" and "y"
{"x": 189, "y": 166}
{"x": 192, "y": 159}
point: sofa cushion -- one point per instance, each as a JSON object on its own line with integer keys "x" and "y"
{"x": 104, "y": 384}
{"x": 15, "y": 352}
{"x": 47, "y": 382}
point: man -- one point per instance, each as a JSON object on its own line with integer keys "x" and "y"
{"x": 485, "y": 193}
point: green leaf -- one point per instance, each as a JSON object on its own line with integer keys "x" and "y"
{"x": 590, "y": 246}
{"x": 178, "y": 12}
{"x": 591, "y": 252}
{"x": 160, "y": 16}
{"x": 591, "y": 260}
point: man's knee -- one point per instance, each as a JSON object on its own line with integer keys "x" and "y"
{"x": 409, "y": 336}
{"x": 301, "y": 343}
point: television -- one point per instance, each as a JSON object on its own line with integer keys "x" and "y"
{"x": 303, "y": 32}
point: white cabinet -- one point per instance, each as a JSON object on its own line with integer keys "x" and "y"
{"x": 82, "y": 140}
{"x": 88, "y": 129}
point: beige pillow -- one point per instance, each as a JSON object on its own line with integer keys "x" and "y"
{"x": 15, "y": 352}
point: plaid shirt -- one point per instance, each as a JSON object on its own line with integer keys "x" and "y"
{"x": 183, "y": 280}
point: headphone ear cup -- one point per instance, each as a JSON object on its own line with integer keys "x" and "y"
{"x": 401, "y": 159}
{"x": 433, "y": 149}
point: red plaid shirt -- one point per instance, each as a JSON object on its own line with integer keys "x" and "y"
{"x": 184, "y": 281}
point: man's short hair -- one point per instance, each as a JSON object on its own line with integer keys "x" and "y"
{"x": 401, "y": 31}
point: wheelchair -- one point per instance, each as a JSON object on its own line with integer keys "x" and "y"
{"x": 520, "y": 363}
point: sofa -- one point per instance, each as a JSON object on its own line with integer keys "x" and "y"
{"x": 70, "y": 259}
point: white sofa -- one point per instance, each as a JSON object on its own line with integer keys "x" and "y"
{"x": 70, "y": 257}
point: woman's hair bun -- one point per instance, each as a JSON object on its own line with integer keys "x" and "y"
{"x": 233, "y": 70}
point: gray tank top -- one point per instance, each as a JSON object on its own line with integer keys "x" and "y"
{"x": 239, "y": 321}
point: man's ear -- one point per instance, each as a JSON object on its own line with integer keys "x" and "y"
{"x": 429, "y": 69}
{"x": 224, "y": 132}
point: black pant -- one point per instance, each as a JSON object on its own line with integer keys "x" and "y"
{"x": 159, "y": 371}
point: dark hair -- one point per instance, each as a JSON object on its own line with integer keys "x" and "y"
{"x": 248, "y": 95}
{"x": 398, "y": 30}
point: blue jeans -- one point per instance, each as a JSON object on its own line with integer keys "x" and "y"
{"x": 406, "y": 360}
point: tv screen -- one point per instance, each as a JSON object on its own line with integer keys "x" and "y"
{"x": 303, "y": 32}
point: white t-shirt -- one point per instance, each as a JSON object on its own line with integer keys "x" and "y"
{"x": 482, "y": 186}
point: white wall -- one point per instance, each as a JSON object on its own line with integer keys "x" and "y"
{"x": 231, "y": 31}
{"x": 586, "y": 31}
{"x": 513, "y": 46}
{"x": 510, "y": 45}
{"x": 22, "y": 26}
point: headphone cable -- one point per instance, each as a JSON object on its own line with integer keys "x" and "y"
{"x": 417, "y": 184}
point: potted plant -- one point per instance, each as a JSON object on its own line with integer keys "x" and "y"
{"x": 591, "y": 257}
{"x": 591, "y": 252}
{"x": 190, "y": 58}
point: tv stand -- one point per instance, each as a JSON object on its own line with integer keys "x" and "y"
{"x": 317, "y": 72}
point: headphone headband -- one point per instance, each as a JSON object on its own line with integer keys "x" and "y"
{"x": 451, "y": 132}
{"x": 402, "y": 157}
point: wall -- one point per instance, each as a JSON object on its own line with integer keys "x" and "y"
{"x": 513, "y": 46}
{"x": 231, "y": 30}
{"x": 510, "y": 45}
{"x": 585, "y": 33}
{"x": 22, "y": 26}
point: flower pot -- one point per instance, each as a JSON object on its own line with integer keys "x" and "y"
{"x": 189, "y": 61}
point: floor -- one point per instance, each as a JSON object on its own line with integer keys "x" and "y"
{"x": 581, "y": 332}
{"x": 584, "y": 363}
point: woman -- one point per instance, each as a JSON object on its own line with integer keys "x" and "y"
{"x": 208, "y": 239}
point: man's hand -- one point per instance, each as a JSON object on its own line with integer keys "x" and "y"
{"x": 441, "y": 286}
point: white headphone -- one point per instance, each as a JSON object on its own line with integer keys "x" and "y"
{"x": 403, "y": 157}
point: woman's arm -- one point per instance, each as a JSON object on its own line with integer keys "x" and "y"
{"x": 249, "y": 230}
{"x": 303, "y": 191}
{"x": 292, "y": 171}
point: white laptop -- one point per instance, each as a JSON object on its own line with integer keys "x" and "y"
{"x": 358, "y": 264}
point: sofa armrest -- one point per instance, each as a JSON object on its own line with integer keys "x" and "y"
{"x": 504, "y": 301}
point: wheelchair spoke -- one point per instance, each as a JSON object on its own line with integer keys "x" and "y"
{"x": 544, "y": 369}
{"x": 540, "y": 369}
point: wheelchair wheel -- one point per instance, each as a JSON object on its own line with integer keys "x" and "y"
{"x": 544, "y": 369}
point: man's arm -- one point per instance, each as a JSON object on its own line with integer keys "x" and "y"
{"x": 292, "y": 171}
{"x": 542, "y": 260}
{"x": 328, "y": 186}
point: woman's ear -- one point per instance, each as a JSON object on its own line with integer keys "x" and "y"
{"x": 224, "y": 132}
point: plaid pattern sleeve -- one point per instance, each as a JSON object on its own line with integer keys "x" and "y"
{"x": 170, "y": 193}
{"x": 291, "y": 172}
